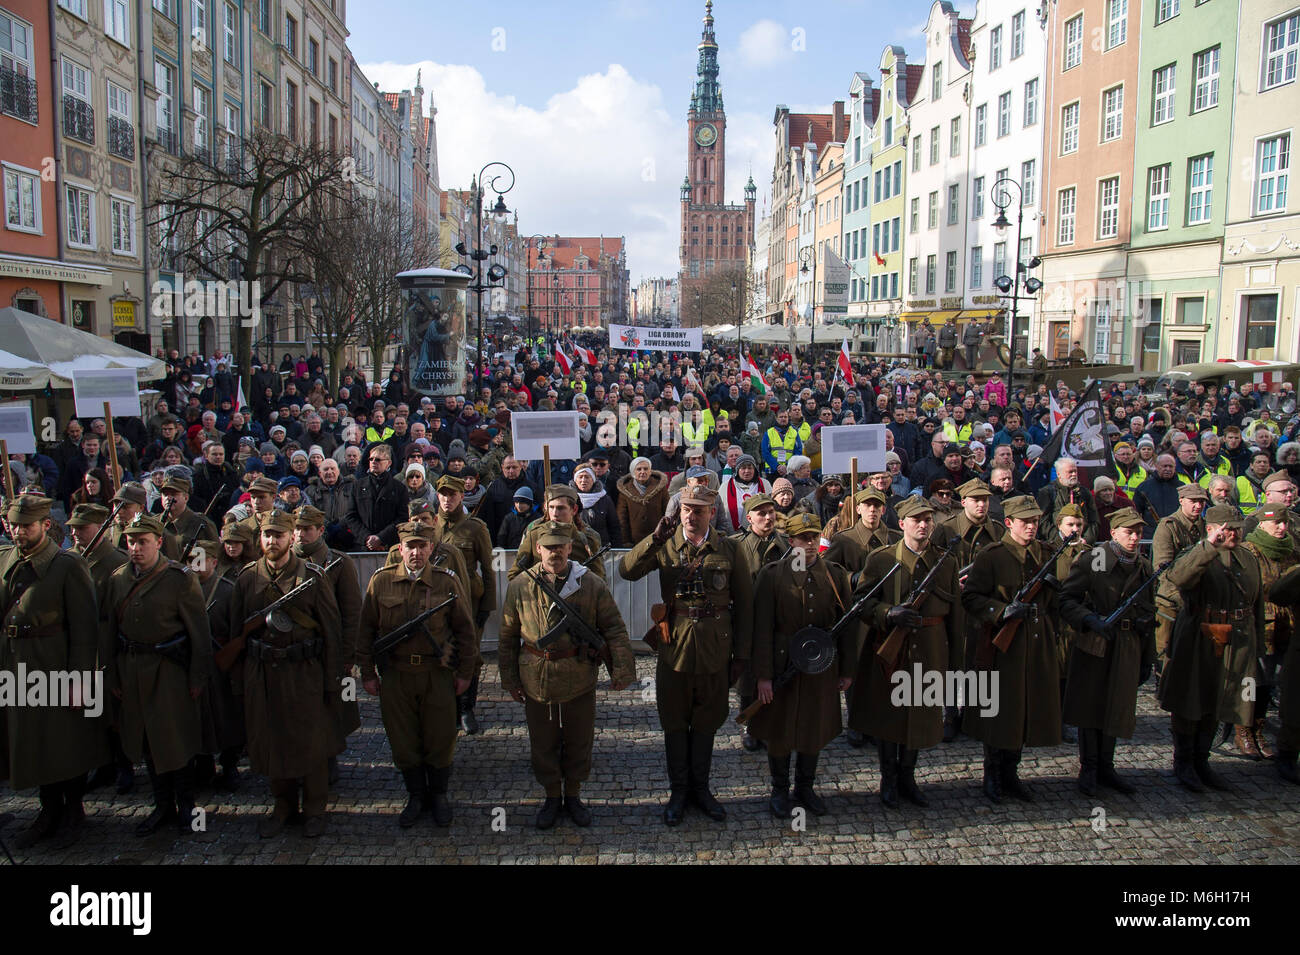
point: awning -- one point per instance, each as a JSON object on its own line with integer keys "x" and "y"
{"x": 54, "y": 270}
{"x": 939, "y": 315}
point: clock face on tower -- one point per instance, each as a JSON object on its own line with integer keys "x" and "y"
{"x": 706, "y": 134}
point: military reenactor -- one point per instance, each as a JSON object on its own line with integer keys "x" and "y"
{"x": 1285, "y": 593}
{"x": 1215, "y": 641}
{"x": 49, "y": 625}
{"x": 180, "y": 521}
{"x": 1279, "y": 490}
{"x": 341, "y": 572}
{"x": 708, "y": 613}
{"x": 1069, "y": 520}
{"x": 417, "y": 681}
{"x": 1276, "y": 552}
{"x": 135, "y": 500}
{"x": 1028, "y": 672}
{"x": 802, "y": 716}
{"x": 154, "y": 611}
{"x": 236, "y": 549}
{"x": 971, "y": 336}
{"x": 444, "y": 553}
{"x": 557, "y": 684}
{"x": 758, "y": 544}
{"x": 947, "y": 343}
{"x": 933, "y": 635}
{"x": 292, "y": 667}
{"x": 470, "y": 536}
{"x": 222, "y": 708}
{"x": 560, "y": 504}
{"x": 850, "y": 547}
{"x": 261, "y": 502}
{"x": 1107, "y": 662}
{"x": 1173, "y": 535}
{"x": 1038, "y": 365}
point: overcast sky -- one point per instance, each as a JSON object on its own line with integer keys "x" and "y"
{"x": 587, "y": 102}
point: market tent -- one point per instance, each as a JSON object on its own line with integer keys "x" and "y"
{"x": 38, "y": 352}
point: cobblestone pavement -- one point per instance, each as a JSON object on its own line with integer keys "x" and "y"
{"x": 1259, "y": 822}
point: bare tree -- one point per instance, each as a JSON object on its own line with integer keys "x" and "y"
{"x": 723, "y": 300}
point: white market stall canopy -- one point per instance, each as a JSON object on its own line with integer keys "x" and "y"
{"x": 38, "y": 352}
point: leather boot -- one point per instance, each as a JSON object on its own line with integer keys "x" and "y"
{"x": 575, "y": 810}
{"x": 751, "y": 742}
{"x": 888, "y": 773}
{"x": 805, "y": 774}
{"x": 1184, "y": 743}
{"x": 1106, "y": 774}
{"x": 228, "y": 781}
{"x": 74, "y": 810}
{"x": 992, "y": 773}
{"x": 549, "y": 812}
{"x": 47, "y": 820}
{"x": 951, "y": 720}
{"x": 286, "y": 806}
{"x": 125, "y": 768}
{"x": 779, "y": 767}
{"x": 1244, "y": 739}
{"x": 856, "y": 739}
{"x": 678, "y": 755}
{"x": 1286, "y": 766}
{"x": 1011, "y": 784}
{"x": 415, "y": 782}
{"x": 907, "y": 787}
{"x": 1201, "y": 762}
{"x": 701, "y": 764}
{"x": 183, "y": 788}
{"x": 1088, "y": 759}
{"x": 1261, "y": 740}
{"x": 164, "y": 799}
{"x": 101, "y": 777}
{"x": 438, "y": 780}
{"x": 205, "y": 769}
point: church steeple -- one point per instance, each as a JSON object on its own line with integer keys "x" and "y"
{"x": 707, "y": 97}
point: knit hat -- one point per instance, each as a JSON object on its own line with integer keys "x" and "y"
{"x": 782, "y": 484}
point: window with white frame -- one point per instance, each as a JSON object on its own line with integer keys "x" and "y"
{"x": 933, "y": 220}
{"x": 76, "y": 8}
{"x": 233, "y": 130}
{"x": 1108, "y": 208}
{"x": 1112, "y": 110}
{"x": 1116, "y": 23}
{"x": 913, "y": 271}
{"x": 950, "y": 273}
{"x": 954, "y": 136}
{"x": 22, "y": 199}
{"x": 1281, "y": 46}
{"x": 1073, "y": 43}
{"x": 164, "y": 79}
{"x": 1065, "y": 210}
{"x": 1205, "y": 73}
{"x": 202, "y": 104}
{"x": 265, "y": 101}
{"x": 1158, "y": 198}
{"x": 1101, "y": 327}
{"x": 117, "y": 21}
{"x": 1026, "y": 250}
{"x": 199, "y": 20}
{"x": 1272, "y": 168}
{"x": 1004, "y": 114}
{"x": 16, "y": 45}
{"x": 995, "y": 48}
{"x": 914, "y": 225}
{"x": 1165, "y": 10}
{"x": 931, "y": 268}
{"x": 1029, "y": 181}
{"x": 954, "y": 203}
{"x": 936, "y": 84}
{"x": 119, "y": 101}
{"x": 1069, "y": 129}
{"x": 1018, "y": 35}
{"x": 977, "y": 266}
{"x": 1163, "y": 94}
{"x": 230, "y": 34}
{"x": 291, "y": 35}
{"x": 977, "y": 198}
{"x": 999, "y": 260}
{"x": 916, "y": 155}
{"x": 80, "y": 205}
{"x": 981, "y": 123}
{"x": 934, "y": 146}
{"x": 1031, "y": 102}
{"x": 1200, "y": 189}
{"x": 76, "y": 80}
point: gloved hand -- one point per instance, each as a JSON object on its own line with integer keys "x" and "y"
{"x": 1052, "y": 582}
{"x": 903, "y": 616}
{"x": 1016, "y": 611}
{"x": 481, "y": 618}
{"x": 1097, "y": 624}
{"x": 664, "y": 529}
{"x": 1144, "y": 673}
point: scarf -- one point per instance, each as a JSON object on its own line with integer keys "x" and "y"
{"x": 1123, "y": 556}
{"x": 589, "y": 498}
{"x": 1270, "y": 546}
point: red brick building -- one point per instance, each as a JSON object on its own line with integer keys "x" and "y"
{"x": 576, "y": 281}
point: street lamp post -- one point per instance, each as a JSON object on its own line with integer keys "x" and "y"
{"x": 811, "y": 252}
{"x": 541, "y": 250}
{"x": 1008, "y": 286}
{"x": 740, "y": 321}
{"x": 496, "y": 273}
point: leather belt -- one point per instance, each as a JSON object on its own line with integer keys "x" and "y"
{"x": 17, "y": 631}
{"x": 707, "y": 612}
{"x": 302, "y": 650}
{"x": 552, "y": 654}
{"x": 931, "y": 621}
{"x": 1227, "y": 616}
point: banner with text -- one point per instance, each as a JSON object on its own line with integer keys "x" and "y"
{"x": 835, "y": 285}
{"x": 632, "y": 338}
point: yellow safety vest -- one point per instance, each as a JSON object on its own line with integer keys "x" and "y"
{"x": 374, "y": 437}
{"x": 955, "y": 434}
{"x": 805, "y": 431}
{"x": 1249, "y": 495}
{"x": 782, "y": 446}
{"x": 633, "y": 431}
{"x": 697, "y": 434}
{"x": 1133, "y": 481}
{"x": 1223, "y": 466}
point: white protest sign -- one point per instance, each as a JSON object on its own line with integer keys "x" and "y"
{"x": 16, "y": 427}
{"x": 866, "y": 442}
{"x": 557, "y": 430}
{"x": 632, "y": 337}
{"x": 117, "y": 386}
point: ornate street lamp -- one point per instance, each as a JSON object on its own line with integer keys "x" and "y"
{"x": 1008, "y": 286}
{"x": 495, "y": 274}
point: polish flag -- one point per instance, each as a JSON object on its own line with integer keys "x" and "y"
{"x": 843, "y": 365}
{"x": 1057, "y": 414}
{"x": 586, "y": 354}
{"x": 562, "y": 360}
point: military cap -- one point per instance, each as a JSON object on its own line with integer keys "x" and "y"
{"x": 143, "y": 524}
{"x": 1277, "y": 477}
{"x": 913, "y": 506}
{"x": 29, "y": 508}
{"x": 1125, "y": 517}
{"x": 555, "y": 492}
{"x": 132, "y": 492}
{"x": 974, "y": 488}
{"x": 419, "y": 506}
{"x": 308, "y": 516}
{"x": 86, "y": 515}
{"x": 278, "y": 521}
{"x": 236, "y": 531}
{"x": 1192, "y": 492}
{"x": 1269, "y": 512}
{"x": 870, "y": 494}
{"x": 554, "y": 533}
{"x": 263, "y": 485}
{"x": 449, "y": 483}
{"x": 1023, "y": 507}
{"x": 695, "y": 494}
{"x": 1224, "y": 514}
{"x": 1069, "y": 510}
{"x": 801, "y": 522}
{"x": 209, "y": 546}
{"x": 415, "y": 530}
{"x": 175, "y": 482}
{"x": 756, "y": 501}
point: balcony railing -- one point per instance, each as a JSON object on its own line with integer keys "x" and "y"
{"x": 121, "y": 137}
{"x": 78, "y": 119}
{"x": 17, "y": 95}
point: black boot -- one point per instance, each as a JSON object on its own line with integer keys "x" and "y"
{"x": 1011, "y": 784}
{"x": 205, "y": 769}
{"x": 856, "y": 739}
{"x": 183, "y": 790}
{"x": 125, "y": 768}
{"x": 228, "y": 781}
{"x": 1089, "y": 756}
{"x": 549, "y": 812}
{"x": 951, "y": 719}
{"x": 47, "y": 820}
{"x": 1201, "y": 763}
{"x": 415, "y": 783}
{"x": 1106, "y": 774}
{"x": 907, "y": 787}
{"x": 751, "y": 742}
{"x": 805, "y": 774}
{"x": 164, "y": 799}
{"x": 992, "y": 773}
{"x": 438, "y": 780}
{"x": 576, "y": 811}
{"x": 101, "y": 777}
{"x": 332, "y": 778}
{"x": 701, "y": 763}
{"x": 74, "y": 810}
{"x": 1184, "y": 743}
{"x": 1286, "y": 765}
{"x": 779, "y": 767}
{"x": 677, "y": 750}
{"x": 888, "y": 773}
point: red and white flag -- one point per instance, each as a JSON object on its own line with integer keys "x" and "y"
{"x": 843, "y": 366}
{"x": 240, "y": 403}
{"x": 585, "y": 354}
{"x": 562, "y": 360}
{"x": 1057, "y": 414}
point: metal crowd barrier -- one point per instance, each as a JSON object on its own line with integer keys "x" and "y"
{"x": 634, "y": 597}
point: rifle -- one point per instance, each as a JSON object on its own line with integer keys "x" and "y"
{"x": 1132, "y": 598}
{"x": 381, "y": 647}
{"x": 791, "y": 671}
{"x": 572, "y": 622}
{"x": 1028, "y": 592}
{"x": 189, "y": 545}
{"x": 225, "y": 657}
{"x": 596, "y": 556}
{"x": 103, "y": 528}
{"x": 888, "y": 651}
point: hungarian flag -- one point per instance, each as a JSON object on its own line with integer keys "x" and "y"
{"x": 756, "y": 381}
{"x": 585, "y": 354}
{"x": 1082, "y": 436}
{"x": 562, "y": 360}
{"x": 843, "y": 366}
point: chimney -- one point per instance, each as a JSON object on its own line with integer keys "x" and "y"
{"x": 839, "y": 131}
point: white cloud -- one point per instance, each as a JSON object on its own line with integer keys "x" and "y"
{"x": 765, "y": 43}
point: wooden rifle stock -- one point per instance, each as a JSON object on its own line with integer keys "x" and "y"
{"x": 887, "y": 653}
{"x": 1027, "y": 594}
{"x": 225, "y": 657}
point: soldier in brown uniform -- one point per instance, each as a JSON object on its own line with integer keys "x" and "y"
{"x": 1214, "y": 645}
{"x": 557, "y": 685}
{"x": 560, "y": 505}
{"x": 1028, "y": 674}
{"x": 1173, "y": 535}
{"x": 134, "y": 500}
{"x": 423, "y": 674}
{"x": 341, "y": 572}
{"x": 1107, "y": 664}
{"x": 236, "y": 549}
{"x": 850, "y": 547}
{"x": 1285, "y": 593}
{"x": 222, "y": 706}
{"x": 933, "y": 642}
{"x": 291, "y": 679}
{"x": 261, "y": 502}
{"x": 444, "y": 553}
{"x": 180, "y": 521}
{"x": 49, "y": 626}
{"x": 760, "y": 543}
{"x": 1280, "y": 492}
{"x": 1069, "y": 520}
{"x": 708, "y": 597}
{"x": 153, "y": 609}
{"x": 801, "y": 717}
{"x": 1276, "y": 552}
{"x": 471, "y": 537}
